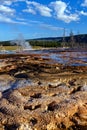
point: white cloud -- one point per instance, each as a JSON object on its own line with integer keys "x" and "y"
{"x": 51, "y": 27}
{"x": 7, "y": 13}
{"x": 83, "y": 13}
{"x": 30, "y": 10}
{"x": 62, "y": 13}
{"x": 6, "y": 10}
{"x": 5, "y": 19}
{"x": 58, "y": 9}
{"x": 85, "y": 3}
{"x": 7, "y": 2}
{"x": 35, "y": 21}
{"x": 9, "y": 20}
{"x": 10, "y": 2}
{"x": 37, "y": 7}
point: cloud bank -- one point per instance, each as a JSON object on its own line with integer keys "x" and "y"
{"x": 59, "y": 10}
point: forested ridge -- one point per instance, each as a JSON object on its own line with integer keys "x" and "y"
{"x": 69, "y": 41}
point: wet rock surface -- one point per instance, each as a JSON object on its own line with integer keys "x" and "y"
{"x": 55, "y": 97}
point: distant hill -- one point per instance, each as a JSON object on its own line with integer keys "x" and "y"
{"x": 78, "y": 40}
{"x": 81, "y": 38}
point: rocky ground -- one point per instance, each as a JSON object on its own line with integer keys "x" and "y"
{"x": 55, "y": 98}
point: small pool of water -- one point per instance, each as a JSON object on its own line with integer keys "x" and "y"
{"x": 61, "y": 55}
{"x": 73, "y": 58}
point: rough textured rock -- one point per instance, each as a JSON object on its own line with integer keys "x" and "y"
{"x": 57, "y": 100}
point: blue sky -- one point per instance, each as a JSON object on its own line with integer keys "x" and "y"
{"x": 41, "y": 18}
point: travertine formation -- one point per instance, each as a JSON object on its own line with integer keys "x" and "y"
{"x": 56, "y": 98}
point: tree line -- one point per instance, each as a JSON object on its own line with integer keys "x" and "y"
{"x": 43, "y": 43}
{"x": 70, "y": 41}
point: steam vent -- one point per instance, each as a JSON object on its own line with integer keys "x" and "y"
{"x": 43, "y": 90}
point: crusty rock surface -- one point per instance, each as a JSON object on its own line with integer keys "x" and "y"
{"x": 57, "y": 101}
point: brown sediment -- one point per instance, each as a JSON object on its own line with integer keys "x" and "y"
{"x": 57, "y": 101}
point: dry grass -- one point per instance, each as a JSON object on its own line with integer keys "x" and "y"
{"x": 8, "y": 48}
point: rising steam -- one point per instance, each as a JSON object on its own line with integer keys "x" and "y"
{"x": 20, "y": 41}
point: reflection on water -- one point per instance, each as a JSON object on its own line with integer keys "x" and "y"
{"x": 64, "y": 56}
{"x": 73, "y": 58}
{"x": 60, "y": 55}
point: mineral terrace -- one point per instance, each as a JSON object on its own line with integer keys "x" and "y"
{"x": 54, "y": 99}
